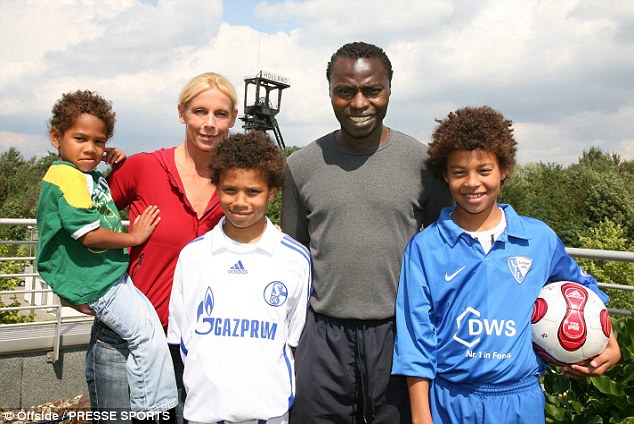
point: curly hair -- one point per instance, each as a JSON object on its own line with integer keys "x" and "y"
{"x": 358, "y": 50}
{"x": 251, "y": 150}
{"x": 71, "y": 105}
{"x": 473, "y": 128}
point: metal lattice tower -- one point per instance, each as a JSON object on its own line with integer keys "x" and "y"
{"x": 260, "y": 110}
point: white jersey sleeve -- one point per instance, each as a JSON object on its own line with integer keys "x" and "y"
{"x": 297, "y": 313}
{"x": 177, "y": 318}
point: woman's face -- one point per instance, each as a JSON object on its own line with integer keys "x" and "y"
{"x": 207, "y": 117}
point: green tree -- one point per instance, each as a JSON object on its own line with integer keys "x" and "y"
{"x": 10, "y": 161}
{"x": 571, "y": 200}
{"x": 20, "y": 188}
{"x": 606, "y": 188}
{"x": 598, "y": 160}
{"x": 273, "y": 210}
{"x": 544, "y": 191}
{"x": 609, "y": 198}
{"x": 19, "y": 191}
{"x": 628, "y": 167}
{"x": 608, "y": 235}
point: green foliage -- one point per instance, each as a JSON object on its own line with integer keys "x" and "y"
{"x": 606, "y": 186}
{"x": 608, "y": 198}
{"x": 604, "y": 399}
{"x": 571, "y": 200}
{"x": 543, "y": 191}
{"x": 610, "y": 236}
{"x": 290, "y": 150}
{"x": 273, "y": 210}
{"x": 11, "y": 267}
{"x": 14, "y": 317}
{"x": 589, "y": 205}
{"x": 19, "y": 189}
{"x": 596, "y": 159}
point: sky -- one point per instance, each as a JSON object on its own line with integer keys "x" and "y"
{"x": 562, "y": 71}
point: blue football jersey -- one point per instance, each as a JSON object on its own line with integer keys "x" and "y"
{"x": 465, "y": 315}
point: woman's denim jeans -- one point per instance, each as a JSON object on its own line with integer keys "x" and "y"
{"x": 128, "y": 349}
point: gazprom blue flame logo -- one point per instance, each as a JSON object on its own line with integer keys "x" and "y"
{"x": 205, "y": 308}
{"x": 275, "y": 293}
{"x": 207, "y": 304}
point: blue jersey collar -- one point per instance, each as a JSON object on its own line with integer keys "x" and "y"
{"x": 515, "y": 228}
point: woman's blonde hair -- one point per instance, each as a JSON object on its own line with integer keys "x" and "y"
{"x": 204, "y": 82}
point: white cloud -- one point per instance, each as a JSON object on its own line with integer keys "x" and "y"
{"x": 29, "y": 145}
{"x": 561, "y": 71}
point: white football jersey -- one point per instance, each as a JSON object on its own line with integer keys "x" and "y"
{"x": 236, "y": 310}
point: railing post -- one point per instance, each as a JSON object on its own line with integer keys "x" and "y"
{"x": 33, "y": 281}
{"x": 52, "y": 357}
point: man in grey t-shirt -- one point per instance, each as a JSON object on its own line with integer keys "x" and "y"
{"x": 355, "y": 197}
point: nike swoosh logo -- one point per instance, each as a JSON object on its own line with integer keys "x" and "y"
{"x": 452, "y": 276}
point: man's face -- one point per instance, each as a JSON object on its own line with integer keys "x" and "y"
{"x": 359, "y": 93}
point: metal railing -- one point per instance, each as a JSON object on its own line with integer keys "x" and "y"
{"x": 74, "y": 330}
{"x": 56, "y": 324}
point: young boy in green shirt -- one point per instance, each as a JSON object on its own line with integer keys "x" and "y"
{"x": 82, "y": 247}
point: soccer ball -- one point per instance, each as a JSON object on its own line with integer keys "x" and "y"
{"x": 570, "y": 324}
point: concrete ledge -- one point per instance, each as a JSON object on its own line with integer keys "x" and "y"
{"x": 28, "y": 380}
{"x": 17, "y": 338}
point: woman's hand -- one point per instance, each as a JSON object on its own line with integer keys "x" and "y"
{"x": 113, "y": 156}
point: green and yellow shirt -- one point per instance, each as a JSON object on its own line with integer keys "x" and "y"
{"x": 71, "y": 204}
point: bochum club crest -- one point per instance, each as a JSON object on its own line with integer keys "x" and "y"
{"x": 519, "y": 267}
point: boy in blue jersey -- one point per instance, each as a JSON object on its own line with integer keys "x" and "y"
{"x": 240, "y": 295}
{"x": 82, "y": 253}
{"x": 468, "y": 283}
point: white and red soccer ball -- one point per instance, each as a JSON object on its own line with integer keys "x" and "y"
{"x": 570, "y": 324}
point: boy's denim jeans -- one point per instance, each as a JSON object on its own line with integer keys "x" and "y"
{"x": 150, "y": 373}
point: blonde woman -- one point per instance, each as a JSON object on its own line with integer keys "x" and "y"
{"x": 177, "y": 181}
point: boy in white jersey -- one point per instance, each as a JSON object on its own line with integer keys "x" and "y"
{"x": 240, "y": 295}
{"x": 480, "y": 262}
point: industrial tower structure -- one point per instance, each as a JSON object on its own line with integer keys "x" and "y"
{"x": 260, "y": 108}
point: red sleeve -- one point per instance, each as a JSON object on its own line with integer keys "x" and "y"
{"x": 123, "y": 181}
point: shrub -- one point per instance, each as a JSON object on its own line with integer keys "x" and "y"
{"x": 604, "y": 399}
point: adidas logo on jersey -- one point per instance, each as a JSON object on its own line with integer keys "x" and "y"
{"x": 238, "y": 268}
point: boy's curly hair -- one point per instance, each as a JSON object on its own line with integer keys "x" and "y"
{"x": 472, "y": 128}
{"x": 251, "y": 150}
{"x": 68, "y": 108}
